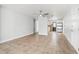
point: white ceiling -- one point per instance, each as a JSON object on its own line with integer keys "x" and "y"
{"x": 33, "y": 9}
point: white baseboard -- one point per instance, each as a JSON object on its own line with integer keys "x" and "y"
{"x": 16, "y": 37}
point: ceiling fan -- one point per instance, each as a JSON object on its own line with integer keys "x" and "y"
{"x": 42, "y": 13}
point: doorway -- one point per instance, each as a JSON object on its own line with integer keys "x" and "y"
{"x": 55, "y": 26}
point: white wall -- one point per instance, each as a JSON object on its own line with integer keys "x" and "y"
{"x": 42, "y": 25}
{"x": 0, "y": 22}
{"x": 71, "y": 28}
{"x": 36, "y": 25}
{"x": 14, "y": 25}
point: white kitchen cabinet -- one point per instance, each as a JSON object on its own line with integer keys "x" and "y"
{"x": 59, "y": 27}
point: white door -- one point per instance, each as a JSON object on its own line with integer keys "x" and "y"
{"x": 42, "y": 25}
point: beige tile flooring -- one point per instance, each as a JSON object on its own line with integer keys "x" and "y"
{"x": 54, "y": 43}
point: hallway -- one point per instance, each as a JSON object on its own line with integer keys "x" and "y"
{"x": 54, "y": 43}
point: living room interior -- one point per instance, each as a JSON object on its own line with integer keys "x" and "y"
{"x": 39, "y": 28}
